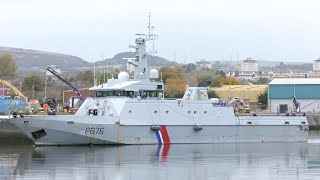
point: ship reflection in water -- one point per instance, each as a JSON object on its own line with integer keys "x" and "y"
{"x": 186, "y": 161}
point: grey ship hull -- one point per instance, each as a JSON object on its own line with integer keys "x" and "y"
{"x": 60, "y": 130}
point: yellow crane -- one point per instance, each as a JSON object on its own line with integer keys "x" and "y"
{"x": 14, "y": 89}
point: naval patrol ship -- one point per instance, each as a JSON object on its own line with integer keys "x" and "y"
{"x": 132, "y": 109}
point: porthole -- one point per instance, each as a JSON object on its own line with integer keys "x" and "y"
{"x": 130, "y": 111}
{"x": 195, "y": 112}
{"x": 155, "y": 112}
{"x": 205, "y": 112}
{"x": 167, "y": 112}
{"x": 189, "y": 112}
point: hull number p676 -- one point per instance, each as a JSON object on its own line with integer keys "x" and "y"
{"x": 94, "y": 130}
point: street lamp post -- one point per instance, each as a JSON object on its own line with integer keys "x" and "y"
{"x": 32, "y": 92}
{"x": 45, "y": 87}
{"x": 229, "y": 95}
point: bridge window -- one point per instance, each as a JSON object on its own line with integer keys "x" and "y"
{"x": 114, "y": 93}
{"x": 143, "y": 94}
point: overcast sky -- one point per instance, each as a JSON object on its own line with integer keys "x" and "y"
{"x": 286, "y": 30}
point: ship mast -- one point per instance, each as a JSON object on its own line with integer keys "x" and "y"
{"x": 141, "y": 70}
{"x": 150, "y": 27}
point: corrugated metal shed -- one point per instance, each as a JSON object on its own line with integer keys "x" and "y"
{"x": 302, "y": 88}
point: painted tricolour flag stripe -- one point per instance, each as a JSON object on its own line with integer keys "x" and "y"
{"x": 158, "y": 134}
{"x": 162, "y": 135}
{"x": 165, "y": 135}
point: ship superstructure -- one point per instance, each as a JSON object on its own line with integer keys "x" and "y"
{"x": 131, "y": 109}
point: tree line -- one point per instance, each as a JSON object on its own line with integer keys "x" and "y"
{"x": 177, "y": 78}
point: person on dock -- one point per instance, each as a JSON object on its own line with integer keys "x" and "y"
{"x": 21, "y": 114}
{"x": 45, "y": 107}
{"x": 14, "y": 114}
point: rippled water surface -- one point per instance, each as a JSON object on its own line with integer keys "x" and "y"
{"x": 187, "y": 161}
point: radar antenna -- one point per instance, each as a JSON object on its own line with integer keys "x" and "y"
{"x": 150, "y": 27}
{"x": 151, "y": 36}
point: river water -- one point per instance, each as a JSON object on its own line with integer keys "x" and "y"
{"x": 144, "y": 162}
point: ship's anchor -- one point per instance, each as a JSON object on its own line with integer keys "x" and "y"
{"x": 198, "y": 127}
{"x": 155, "y": 127}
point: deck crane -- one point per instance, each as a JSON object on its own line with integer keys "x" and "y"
{"x": 68, "y": 83}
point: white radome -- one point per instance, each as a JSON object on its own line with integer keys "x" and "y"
{"x": 123, "y": 76}
{"x": 154, "y": 74}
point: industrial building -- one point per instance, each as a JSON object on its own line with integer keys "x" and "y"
{"x": 249, "y": 65}
{"x": 316, "y": 65}
{"x": 67, "y": 95}
{"x": 306, "y": 91}
{"x": 4, "y": 90}
{"x": 203, "y": 64}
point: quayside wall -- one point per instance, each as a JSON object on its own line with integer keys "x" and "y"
{"x": 10, "y": 134}
{"x": 314, "y": 121}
